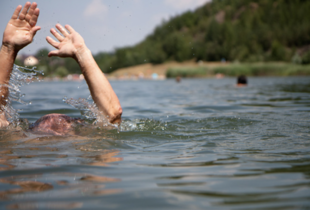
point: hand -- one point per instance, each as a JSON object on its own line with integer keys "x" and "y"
{"x": 21, "y": 29}
{"x": 70, "y": 42}
{"x": 3, "y": 121}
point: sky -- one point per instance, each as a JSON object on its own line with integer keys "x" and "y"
{"x": 104, "y": 24}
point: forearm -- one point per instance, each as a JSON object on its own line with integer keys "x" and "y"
{"x": 7, "y": 58}
{"x": 99, "y": 86}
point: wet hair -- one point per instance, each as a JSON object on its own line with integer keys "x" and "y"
{"x": 242, "y": 80}
{"x": 55, "y": 124}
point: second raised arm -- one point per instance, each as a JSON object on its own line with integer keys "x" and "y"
{"x": 71, "y": 44}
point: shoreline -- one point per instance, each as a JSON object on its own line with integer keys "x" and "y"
{"x": 192, "y": 69}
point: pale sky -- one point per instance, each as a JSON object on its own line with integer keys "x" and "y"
{"x": 104, "y": 24}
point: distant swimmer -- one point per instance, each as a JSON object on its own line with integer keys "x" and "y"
{"x": 242, "y": 81}
{"x": 18, "y": 33}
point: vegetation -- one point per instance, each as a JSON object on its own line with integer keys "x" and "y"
{"x": 264, "y": 69}
{"x": 249, "y": 69}
{"x": 188, "y": 72}
{"x": 232, "y": 30}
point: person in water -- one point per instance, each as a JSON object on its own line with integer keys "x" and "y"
{"x": 18, "y": 33}
{"x": 242, "y": 81}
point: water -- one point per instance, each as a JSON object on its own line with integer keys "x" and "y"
{"x": 198, "y": 144}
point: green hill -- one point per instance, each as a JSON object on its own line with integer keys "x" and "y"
{"x": 234, "y": 30}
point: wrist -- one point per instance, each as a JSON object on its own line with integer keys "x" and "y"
{"x": 81, "y": 52}
{"x": 85, "y": 60}
{"x": 8, "y": 49}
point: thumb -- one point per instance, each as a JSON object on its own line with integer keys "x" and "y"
{"x": 53, "y": 53}
{"x": 34, "y": 30}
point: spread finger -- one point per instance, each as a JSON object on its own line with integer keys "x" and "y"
{"x": 34, "y": 17}
{"x": 52, "y": 42}
{"x": 23, "y": 13}
{"x": 31, "y": 11}
{"x": 62, "y": 30}
{"x": 16, "y": 12}
{"x": 69, "y": 28}
{"x": 57, "y": 35}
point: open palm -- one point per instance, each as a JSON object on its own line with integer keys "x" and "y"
{"x": 69, "y": 43}
{"x": 21, "y": 28}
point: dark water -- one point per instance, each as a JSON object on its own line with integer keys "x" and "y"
{"x": 198, "y": 144}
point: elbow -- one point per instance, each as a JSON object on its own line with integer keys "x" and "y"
{"x": 116, "y": 117}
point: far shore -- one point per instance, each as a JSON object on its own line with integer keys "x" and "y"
{"x": 157, "y": 71}
{"x": 192, "y": 69}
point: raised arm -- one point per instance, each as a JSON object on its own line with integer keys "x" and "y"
{"x": 71, "y": 44}
{"x": 18, "y": 33}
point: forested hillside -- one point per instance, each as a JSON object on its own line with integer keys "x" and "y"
{"x": 234, "y": 30}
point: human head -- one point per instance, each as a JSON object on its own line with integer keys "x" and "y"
{"x": 54, "y": 124}
{"x": 242, "y": 80}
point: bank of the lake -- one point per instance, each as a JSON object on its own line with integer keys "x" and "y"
{"x": 210, "y": 69}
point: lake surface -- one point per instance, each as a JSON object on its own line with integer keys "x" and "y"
{"x": 197, "y": 144}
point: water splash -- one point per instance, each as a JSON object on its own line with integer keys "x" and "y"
{"x": 89, "y": 110}
{"x": 20, "y": 76}
{"x": 143, "y": 125}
